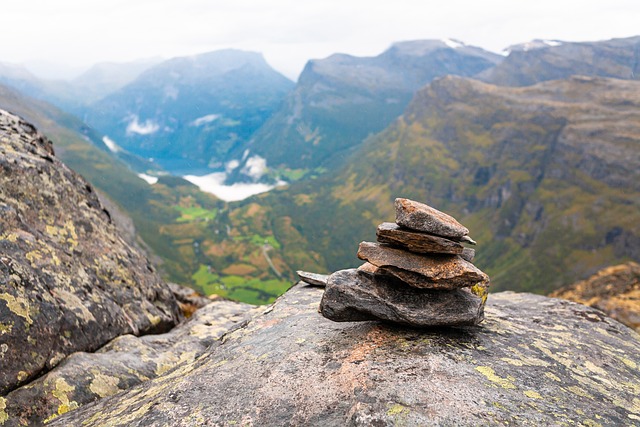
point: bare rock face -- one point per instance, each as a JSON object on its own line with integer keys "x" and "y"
{"x": 121, "y": 364}
{"x": 433, "y": 271}
{"x": 420, "y": 217}
{"x": 353, "y": 295}
{"x": 534, "y": 361}
{"x": 413, "y": 241}
{"x": 68, "y": 281}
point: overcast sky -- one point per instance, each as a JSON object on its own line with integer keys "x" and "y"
{"x": 78, "y": 33}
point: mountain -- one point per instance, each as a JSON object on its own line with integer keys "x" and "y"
{"x": 542, "y": 60}
{"x": 546, "y": 177}
{"x": 74, "y": 95}
{"x": 189, "y": 112}
{"x": 106, "y": 77}
{"x": 340, "y": 100}
{"x": 614, "y": 290}
{"x": 21, "y": 79}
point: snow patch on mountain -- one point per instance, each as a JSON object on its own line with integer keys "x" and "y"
{"x": 453, "y": 44}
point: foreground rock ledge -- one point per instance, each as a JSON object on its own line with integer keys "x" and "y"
{"x": 534, "y": 361}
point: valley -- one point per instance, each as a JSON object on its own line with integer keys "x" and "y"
{"x": 536, "y": 151}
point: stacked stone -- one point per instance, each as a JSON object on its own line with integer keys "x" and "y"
{"x": 418, "y": 274}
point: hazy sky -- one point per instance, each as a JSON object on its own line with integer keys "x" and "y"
{"x": 77, "y": 33}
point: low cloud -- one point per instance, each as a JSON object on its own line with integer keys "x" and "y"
{"x": 205, "y": 119}
{"x": 214, "y": 184}
{"x": 255, "y": 167}
{"x": 145, "y": 128}
{"x": 110, "y": 143}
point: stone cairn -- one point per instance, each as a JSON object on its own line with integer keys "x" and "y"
{"x": 418, "y": 274}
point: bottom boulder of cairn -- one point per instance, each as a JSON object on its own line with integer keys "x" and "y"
{"x": 408, "y": 282}
{"x": 354, "y": 295}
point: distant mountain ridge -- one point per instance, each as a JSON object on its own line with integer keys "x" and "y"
{"x": 340, "y": 100}
{"x": 542, "y": 60}
{"x": 188, "y": 112}
{"x": 74, "y": 95}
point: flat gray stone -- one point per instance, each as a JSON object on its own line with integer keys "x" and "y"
{"x": 468, "y": 254}
{"x": 352, "y": 296}
{"x": 435, "y": 271}
{"x": 414, "y": 241}
{"x": 314, "y": 279}
{"x": 420, "y": 217}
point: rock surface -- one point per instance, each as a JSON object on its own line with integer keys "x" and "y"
{"x": 68, "y": 281}
{"x": 534, "y": 361}
{"x": 393, "y": 234}
{"x": 434, "y": 271}
{"x": 124, "y": 362}
{"x": 614, "y": 290}
{"x": 353, "y": 295}
{"x": 420, "y": 217}
{"x": 468, "y": 254}
{"x": 188, "y": 299}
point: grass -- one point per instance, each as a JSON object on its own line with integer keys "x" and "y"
{"x": 249, "y": 290}
{"x": 196, "y": 213}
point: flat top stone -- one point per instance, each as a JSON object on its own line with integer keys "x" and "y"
{"x": 415, "y": 241}
{"x": 434, "y": 268}
{"x": 420, "y": 217}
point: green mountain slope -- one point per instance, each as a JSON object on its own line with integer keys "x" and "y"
{"x": 547, "y": 178}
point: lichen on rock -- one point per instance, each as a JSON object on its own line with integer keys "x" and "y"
{"x": 68, "y": 281}
{"x": 533, "y": 361}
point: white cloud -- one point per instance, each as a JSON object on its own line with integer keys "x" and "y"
{"x": 205, "y": 119}
{"x": 255, "y": 167}
{"x": 231, "y": 165}
{"x": 145, "y": 128}
{"x": 111, "y": 145}
{"x": 150, "y": 179}
{"x": 214, "y": 184}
